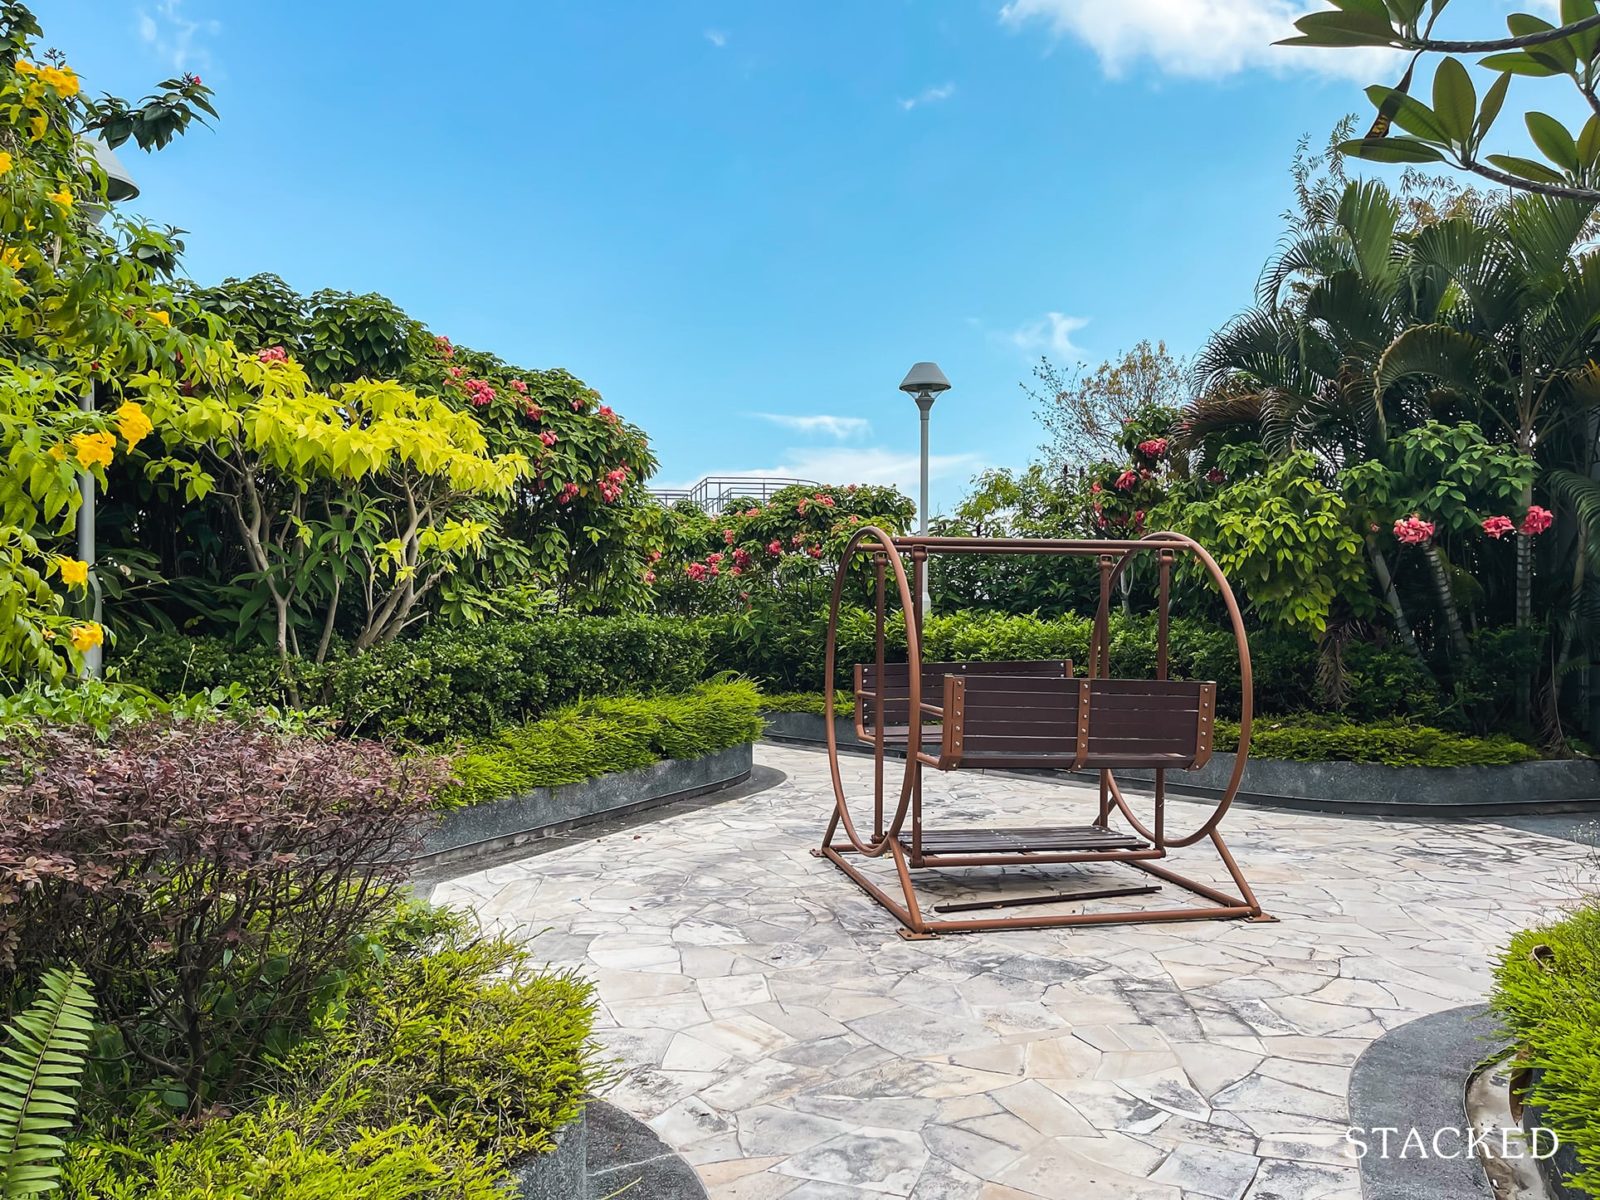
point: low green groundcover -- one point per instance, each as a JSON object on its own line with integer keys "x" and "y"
{"x": 450, "y": 1058}
{"x": 1304, "y": 737}
{"x": 596, "y": 737}
{"x": 1547, "y": 993}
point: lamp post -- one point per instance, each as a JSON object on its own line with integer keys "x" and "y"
{"x": 923, "y": 383}
{"x": 119, "y": 186}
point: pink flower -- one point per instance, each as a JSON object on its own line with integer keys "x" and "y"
{"x": 1126, "y": 480}
{"x": 851, "y": 487}
{"x": 797, "y": 539}
{"x": 695, "y": 571}
{"x": 608, "y": 416}
{"x": 1537, "y": 521}
{"x": 1095, "y": 486}
{"x": 519, "y": 387}
{"x": 801, "y": 507}
{"x": 825, "y": 501}
{"x": 274, "y": 354}
{"x": 455, "y": 372}
{"x": 649, "y": 576}
{"x": 568, "y": 494}
{"x": 578, "y": 404}
{"x": 443, "y": 346}
{"x": 1498, "y": 527}
{"x": 814, "y": 551}
{"x": 752, "y": 512}
{"x": 1413, "y": 531}
{"x": 655, "y": 556}
{"x": 741, "y": 558}
{"x": 714, "y": 557}
{"x": 736, "y": 571}
{"x": 854, "y": 519}
{"x": 533, "y": 412}
{"x": 1154, "y": 447}
{"x": 479, "y": 393}
{"x": 774, "y": 547}
{"x": 727, "y": 537}
{"x": 714, "y": 569}
{"x": 548, "y": 438}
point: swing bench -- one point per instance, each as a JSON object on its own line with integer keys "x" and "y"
{"x": 1029, "y": 715}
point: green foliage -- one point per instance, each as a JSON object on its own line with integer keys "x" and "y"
{"x": 1394, "y": 743}
{"x": 449, "y": 682}
{"x": 1547, "y": 993}
{"x": 597, "y": 737}
{"x": 107, "y": 706}
{"x": 41, "y": 1064}
{"x": 807, "y": 702}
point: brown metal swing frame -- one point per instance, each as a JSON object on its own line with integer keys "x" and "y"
{"x": 1022, "y": 716}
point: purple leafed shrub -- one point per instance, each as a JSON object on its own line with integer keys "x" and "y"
{"x": 217, "y": 882}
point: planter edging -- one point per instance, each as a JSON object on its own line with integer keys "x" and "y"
{"x": 605, "y": 1152}
{"x": 460, "y": 833}
{"x": 1547, "y": 786}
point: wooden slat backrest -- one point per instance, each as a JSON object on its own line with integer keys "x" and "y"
{"x": 1035, "y": 718}
{"x": 893, "y": 698}
{"x": 1150, "y": 722}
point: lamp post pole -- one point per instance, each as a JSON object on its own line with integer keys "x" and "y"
{"x": 923, "y": 383}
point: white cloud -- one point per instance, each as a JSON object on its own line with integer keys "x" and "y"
{"x": 1199, "y": 39}
{"x": 930, "y": 95}
{"x": 1050, "y": 334}
{"x": 865, "y": 464}
{"x": 840, "y": 428}
{"x": 177, "y": 39}
{"x": 717, "y": 37}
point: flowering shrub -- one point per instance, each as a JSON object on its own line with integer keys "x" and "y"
{"x": 212, "y": 879}
{"x": 1537, "y": 521}
{"x": 1413, "y": 531}
{"x": 1498, "y": 527}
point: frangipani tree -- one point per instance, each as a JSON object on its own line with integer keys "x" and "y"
{"x": 367, "y": 486}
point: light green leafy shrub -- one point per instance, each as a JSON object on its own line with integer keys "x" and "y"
{"x": 1547, "y": 994}
{"x": 597, "y": 737}
{"x": 41, "y": 1069}
{"x": 1393, "y": 743}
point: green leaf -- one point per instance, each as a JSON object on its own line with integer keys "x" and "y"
{"x": 1391, "y": 150}
{"x": 1455, "y": 101}
{"x": 1526, "y": 168}
{"x": 1341, "y": 29}
{"x": 1411, "y": 115}
{"x": 1553, "y": 140}
{"x": 1589, "y": 142}
{"x": 1493, "y": 99}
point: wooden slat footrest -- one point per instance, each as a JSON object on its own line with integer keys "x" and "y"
{"x": 1046, "y": 840}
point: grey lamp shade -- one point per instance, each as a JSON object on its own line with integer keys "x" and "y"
{"x": 119, "y": 184}
{"x": 924, "y": 377}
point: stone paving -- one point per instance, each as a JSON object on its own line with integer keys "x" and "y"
{"x": 774, "y": 1029}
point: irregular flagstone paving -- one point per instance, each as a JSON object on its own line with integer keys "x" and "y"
{"x": 773, "y": 1028}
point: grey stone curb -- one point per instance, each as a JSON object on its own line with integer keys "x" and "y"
{"x": 603, "y": 1153}
{"x": 1415, "y": 1076}
{"x": 484, "y": 828}
{"x": 1552, "y": 786}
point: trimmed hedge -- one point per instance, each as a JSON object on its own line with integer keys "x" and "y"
{"x": 1393, "y": 743}
{"x": 807, "y": 702}
{"x": 1547, "y": 993}
{"x": 598, "y": 737}
{"x": 449, "y": 682}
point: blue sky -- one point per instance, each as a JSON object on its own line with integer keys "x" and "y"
{"x": 736, "y": 219}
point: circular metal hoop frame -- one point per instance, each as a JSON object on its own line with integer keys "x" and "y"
{"x": 871, "y": 539}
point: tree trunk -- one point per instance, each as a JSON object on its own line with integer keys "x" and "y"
{"x": 1447, "y": 601}
{"x": 1391, "y": 598}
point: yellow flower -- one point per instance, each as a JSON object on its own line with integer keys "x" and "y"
{"x": 58, "y": 452}
{"x": 64, "y": 80}
{"x": 11, "y": 257}
{"x": 161, "y": 318}
{"x": 5, "y": 161}
{"x": 37, "y": 125}
{"x": 63, "y": 198}
{"x": 132, "y": 423}
{"x": 94, "y": 448}
{"x": 74, "y": 571}
{"x": 24, "y": 67}
{"x": 87, "y": 636}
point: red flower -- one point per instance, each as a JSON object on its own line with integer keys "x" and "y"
{"x": 727, "y": 537}
{"x": 1215, "y": 476}
{"x": 695, "y": 571}
{"x": 1498, "y": 527}
{"x": 854, "y": 519}
{"x": 1537, "y": 521}
{"x": 1126, "y": 480}
{"x": 814, "y": 551}
{"x": 479, "y": 393}
{"x": 274, "y": 354}
{"x": 1154, "y": 447}
{"x": 533, "y": 412}
{"x": 608, "y": 416}
{"x": 801, "y": 507}
{"x": 752, "y": 512}
{"x": 741, "y": 558}
{"x": 1095, "y": 486}
{"x": 568, "y": 494}
{"x": 519, "y": 387}
{"x": 443, "y": 346}
{"x": 735, "y": 570}
{"x": 649, "y": 577}
{"x": 548, "y": 438}
{"x": 1413, "y": 531}
{"x": 714, "y": 557}
{"x": 655, "y": 556}
{"x": 774, "y": 547}
{"x": 455, "y": 372}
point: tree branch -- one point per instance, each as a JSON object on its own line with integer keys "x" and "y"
{"x": 1491, "y": 45}
{"x": 1561, "y": 190}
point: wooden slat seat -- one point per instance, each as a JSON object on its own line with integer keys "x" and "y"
{"x": 1046, "y": 840}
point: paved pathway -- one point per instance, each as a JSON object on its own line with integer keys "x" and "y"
{"x": 774, "y": 1029}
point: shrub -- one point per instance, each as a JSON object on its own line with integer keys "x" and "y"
{"x": 213, "y": 880}
{"x": 807, "y": 702}
{"x": 105, "y": 706}
{"x": 1547, "y": 993}
{"x": 465, "y": 681}
{"x": 596, "y": 737}
{"x": 1393, "y": 743}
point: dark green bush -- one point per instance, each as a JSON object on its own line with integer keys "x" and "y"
{"x": 1547, "y": 993}
{"x": 597, "y": 737}
{"x": 1394, "y": 743}
{"x": 450, "y": 682}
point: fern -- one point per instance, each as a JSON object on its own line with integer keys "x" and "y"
{"x": 41, "y": 1061}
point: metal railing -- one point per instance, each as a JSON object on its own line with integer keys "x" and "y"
{"x": 712, "y": 494}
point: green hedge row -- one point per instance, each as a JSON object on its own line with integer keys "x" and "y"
{"x": 1310, "y": 738}
{"x": 597, "y": 737}
{"x": 787, "y": 656}
{"x": 1547, "y": 993}
{"x": 449, "y": 682}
